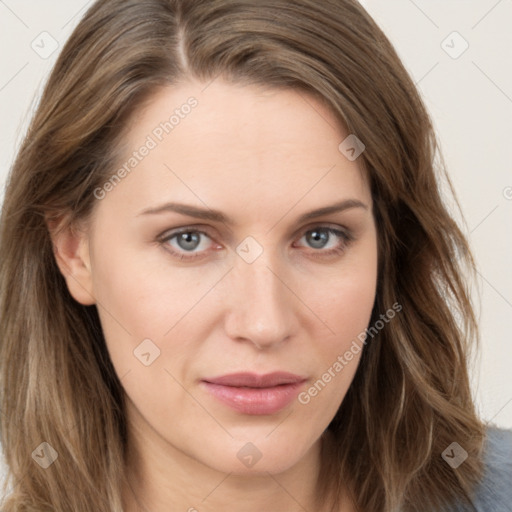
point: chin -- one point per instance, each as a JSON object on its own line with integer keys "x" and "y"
{"x": 258, "y": 457}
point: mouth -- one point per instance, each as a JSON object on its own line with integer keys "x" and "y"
{"x": 253, "y": 394}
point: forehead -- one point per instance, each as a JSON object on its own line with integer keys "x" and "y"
{"x": 247, "y": 142}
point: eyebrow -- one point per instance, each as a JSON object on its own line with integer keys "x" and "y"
{"x": 218, "y": 216}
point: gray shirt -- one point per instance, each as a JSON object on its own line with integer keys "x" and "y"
{"x": 494, "y": 492}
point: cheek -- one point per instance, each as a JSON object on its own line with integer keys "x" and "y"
{"x": 346, "y": 309}
{"x": 344, "y": 302}
{"x": 347, "y": 314}
{"x": 137, "y": 297}
{"x": 142, "y": 291}
{"x": 144, "y": 307}
{"x": 346, "y": 297}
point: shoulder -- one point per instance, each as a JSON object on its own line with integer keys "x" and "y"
{"x": 494, "y": 493}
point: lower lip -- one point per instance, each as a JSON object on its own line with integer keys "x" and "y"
{"x": 255, "y": 400}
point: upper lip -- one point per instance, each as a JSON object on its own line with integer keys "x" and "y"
{"x": 254, "y": 380}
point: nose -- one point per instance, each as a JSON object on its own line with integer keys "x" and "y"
{"x": 261, "y": 306}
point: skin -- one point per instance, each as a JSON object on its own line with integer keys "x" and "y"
{"x": 262, "y": 157}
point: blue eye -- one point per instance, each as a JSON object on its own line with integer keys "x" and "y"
{"x": 189, "y": 244}
{"x": 327, "y": 241}
{"x": 187, "y": 241}
{"x": 318, "y": 238}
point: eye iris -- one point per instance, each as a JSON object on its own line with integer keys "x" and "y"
{"x": 188, "y": 241}
{"x": 318, "y": 238}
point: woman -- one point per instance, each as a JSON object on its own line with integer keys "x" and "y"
{"x": 228, "y": 277}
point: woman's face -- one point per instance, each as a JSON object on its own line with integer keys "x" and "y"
{"x": 255, "y": 284}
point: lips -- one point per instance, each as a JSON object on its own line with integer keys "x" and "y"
{"x": 252, "y": 380}
{"x": 253, "y": 394}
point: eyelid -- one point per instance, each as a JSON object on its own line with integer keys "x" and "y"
{"x": 169, "y": 233}
{"x": 320, "y": 225}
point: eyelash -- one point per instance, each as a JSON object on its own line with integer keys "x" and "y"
{"x": 346, "y": 238}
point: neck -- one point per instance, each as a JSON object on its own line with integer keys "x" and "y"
{"x": 161, "y": 478}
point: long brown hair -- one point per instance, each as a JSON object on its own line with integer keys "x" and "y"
{"x": 410, "y": 398}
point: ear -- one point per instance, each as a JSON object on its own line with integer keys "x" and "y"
{"x": 71, "y": 251}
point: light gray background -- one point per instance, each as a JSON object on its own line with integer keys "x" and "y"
{"x": 470, "y": 100}
{"x": 469, "y": 97}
